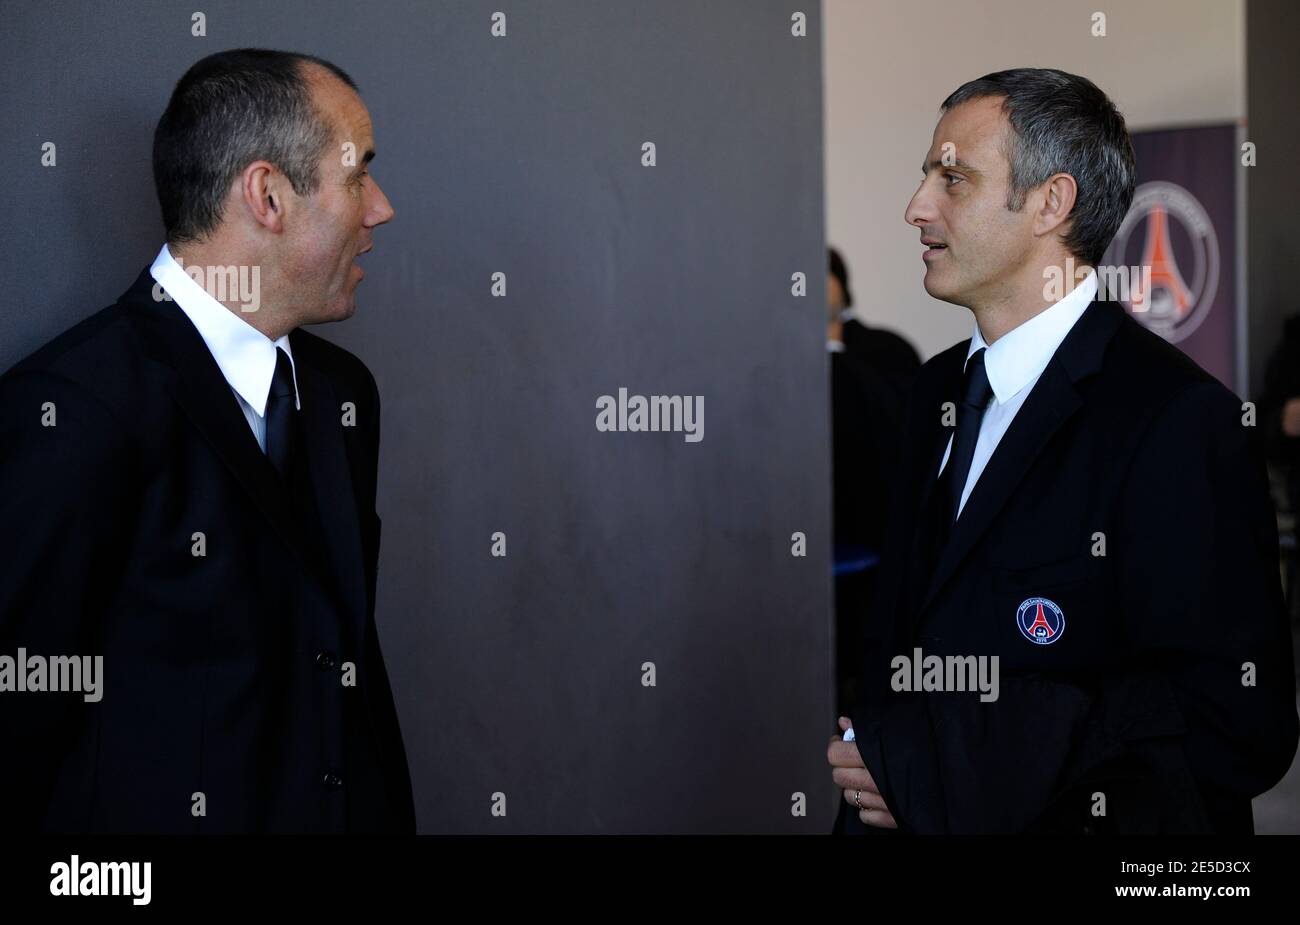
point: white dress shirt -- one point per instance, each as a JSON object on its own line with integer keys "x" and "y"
{"x": 244, "y": 354}
{"x": 1014, "y": 362}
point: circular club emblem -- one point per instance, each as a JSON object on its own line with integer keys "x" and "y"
{"x": 1040, "y": 621}
{"x": 1167, "y": 236}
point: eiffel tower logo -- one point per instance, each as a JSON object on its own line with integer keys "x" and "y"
{"x": 1158, "y": 254}
{"x": 1042, "y": 630}
{"x": 1041, "y": 620}
{"x": 1176, "y": 282}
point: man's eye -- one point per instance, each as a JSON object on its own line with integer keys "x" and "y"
{"x": 952, "y": 179}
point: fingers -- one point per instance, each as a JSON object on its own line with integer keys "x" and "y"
{"x": 880, "y": 818}
{"x": 843, "y": 754}
{"x": 845, "y": 725}
{"x": 854, "y": 779}
{"x": 851, "y": 775}
{"x": 868, "y": 798}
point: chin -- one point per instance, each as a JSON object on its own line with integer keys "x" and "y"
{"x": 954, "y": 293}
{"x": 337, "y": 311}
{"x": 937, "y": 290}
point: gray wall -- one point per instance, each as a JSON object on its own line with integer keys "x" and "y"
{"x": 522, "y": 155}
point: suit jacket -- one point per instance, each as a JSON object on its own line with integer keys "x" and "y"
{"x": 227, "y": 704}
{"x": 1127, "y": 492}
{"x": 889, "y": 355}
{"x": 865, "y": 412}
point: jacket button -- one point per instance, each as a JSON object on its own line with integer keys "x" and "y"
{"x": 325, "y": 659}
{"x": 1087, "y": 829}
{"x": 332, "y": 781}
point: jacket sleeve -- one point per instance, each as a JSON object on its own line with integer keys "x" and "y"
{"x": 66, "y": 473}
{"x": 1201, "y": 698}
{"x": 1198, "y": 573}
{"x": 384, "y": 707}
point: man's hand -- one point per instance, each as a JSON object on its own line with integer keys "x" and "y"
{"x": 848, "y": 772}
{"x": 1291, "y": 418}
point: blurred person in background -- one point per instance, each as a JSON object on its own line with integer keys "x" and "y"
{"x": 868, "y": 387}
{"x": 1279, "y": 409}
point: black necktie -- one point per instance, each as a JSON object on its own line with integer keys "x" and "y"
{"x": 975, "y": 398}
{"x": 940, "y": 511}
{"x": 287, "y": 450}
{"x": 281, "y": 416}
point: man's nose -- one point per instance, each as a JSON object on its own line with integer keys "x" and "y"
{"x": 381, "y": 210}
{"x": 919, "y": 210}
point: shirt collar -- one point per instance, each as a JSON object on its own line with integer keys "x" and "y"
{"x": 244, "y": 354}
{"x": 1019, "y": 356}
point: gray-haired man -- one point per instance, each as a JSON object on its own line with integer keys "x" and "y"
{"x": 1079, "y": 509}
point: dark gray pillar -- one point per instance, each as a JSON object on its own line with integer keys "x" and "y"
{"x": 523, "y": 155}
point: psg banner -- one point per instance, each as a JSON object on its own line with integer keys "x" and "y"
{"x": 1176, "y": 253}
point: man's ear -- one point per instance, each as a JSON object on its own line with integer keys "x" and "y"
{"x": 263, "y": 190}
{"x": 1059, "y": 195}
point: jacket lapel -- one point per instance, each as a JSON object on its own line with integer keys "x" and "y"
{"x": 196, "y": 382}
{"x": 932, "y": 445}
{"x": 331, "y": 480}
{"x": 1053, "y": 400}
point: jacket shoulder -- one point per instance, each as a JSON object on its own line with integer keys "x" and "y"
{"x": 341, "y": 365}
{"x": 91, "y": 367}
{"x": 90, "y": 373}
{"x": 1145, "y": 372}
{"x": 85, "y": 352}
{"x": 898, "y": 345}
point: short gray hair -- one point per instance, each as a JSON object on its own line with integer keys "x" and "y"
{"x": 1063, "y": 123}
{"x": 228, "y": 110}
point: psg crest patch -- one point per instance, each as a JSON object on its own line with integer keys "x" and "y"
{"x": 1040, "y": 621}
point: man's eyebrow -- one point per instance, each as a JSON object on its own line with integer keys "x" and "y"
{"x": 957, "y": 162}
{"x": 366, "y": 159}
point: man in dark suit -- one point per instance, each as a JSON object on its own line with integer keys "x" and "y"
{"x": 888, "y": 354}
{"x": 869, "y": 385}
{"x": 865, "y": 411}
{"x": 1079, "y": 501}
{"x": 189, "y": 494}
{"x": 1279, "y": 416}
